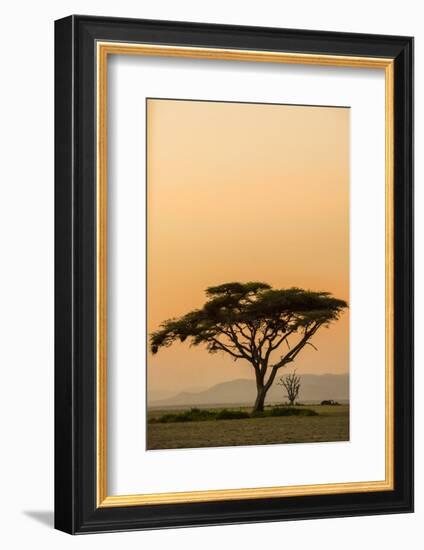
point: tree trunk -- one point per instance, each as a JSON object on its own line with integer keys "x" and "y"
{"x": 260, "y": 400}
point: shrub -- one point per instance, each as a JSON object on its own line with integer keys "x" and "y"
{"x": 185, "y": 416}
{"x": 198, "y": 415}
{"x": 226, "y": 414}
{"x": 290, "y": 411}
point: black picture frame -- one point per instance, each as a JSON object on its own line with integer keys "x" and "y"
{"x": 76, "y": 510}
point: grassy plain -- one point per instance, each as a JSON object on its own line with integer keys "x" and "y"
{"x": 331, "y": 424}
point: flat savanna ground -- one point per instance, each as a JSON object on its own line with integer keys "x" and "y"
{"x": 331, "y": 424}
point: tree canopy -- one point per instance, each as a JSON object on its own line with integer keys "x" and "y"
{"x": 251, "y": 321}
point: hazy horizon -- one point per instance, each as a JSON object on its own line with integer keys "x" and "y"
{"x": 208, "y": 224}
{"x": 154, "y": 392}
{"x": 314, "y": 387}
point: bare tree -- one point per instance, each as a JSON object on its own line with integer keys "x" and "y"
{"x": 291, "y": 383}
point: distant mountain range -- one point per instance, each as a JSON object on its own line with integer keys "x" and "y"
{"x": 314, "y": 387}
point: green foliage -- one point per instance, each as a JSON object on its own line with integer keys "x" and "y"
{"x": 290, "y": 411}
{"x": 193, "y": 415}
{"x": 228, "y": 414}
{"x": 199, "y": 415}
{"x": 284, "y": 411}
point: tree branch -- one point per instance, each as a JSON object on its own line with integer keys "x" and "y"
{"x": 309, "y": 344}
{"x": 225, "y": 348}
{"x": 298, "y": 347}
{"x": 242, "y": 349}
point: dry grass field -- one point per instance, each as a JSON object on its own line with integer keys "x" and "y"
{"x": 331, "y": 424}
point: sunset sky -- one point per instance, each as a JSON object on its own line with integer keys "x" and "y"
{"x": 244, "y": 192}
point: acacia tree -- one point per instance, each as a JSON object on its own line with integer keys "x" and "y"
{"x": 254, "y": 323}
{"x": 291, "y": 383}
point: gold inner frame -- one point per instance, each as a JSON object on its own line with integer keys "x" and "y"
{"x": 103, "y": 50}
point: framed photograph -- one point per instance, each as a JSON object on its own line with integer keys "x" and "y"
{"x": 234, "y": 274}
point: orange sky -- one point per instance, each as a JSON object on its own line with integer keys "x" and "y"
{"x": 240, "y": 192}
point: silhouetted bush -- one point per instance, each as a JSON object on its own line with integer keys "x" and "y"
{"x": 291, "y": 411}
{"x": 329, "y": 402}
{"x": 185, "y": 416}
{"x": 226, "y": 414}
{"x": 198, "y": 415}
